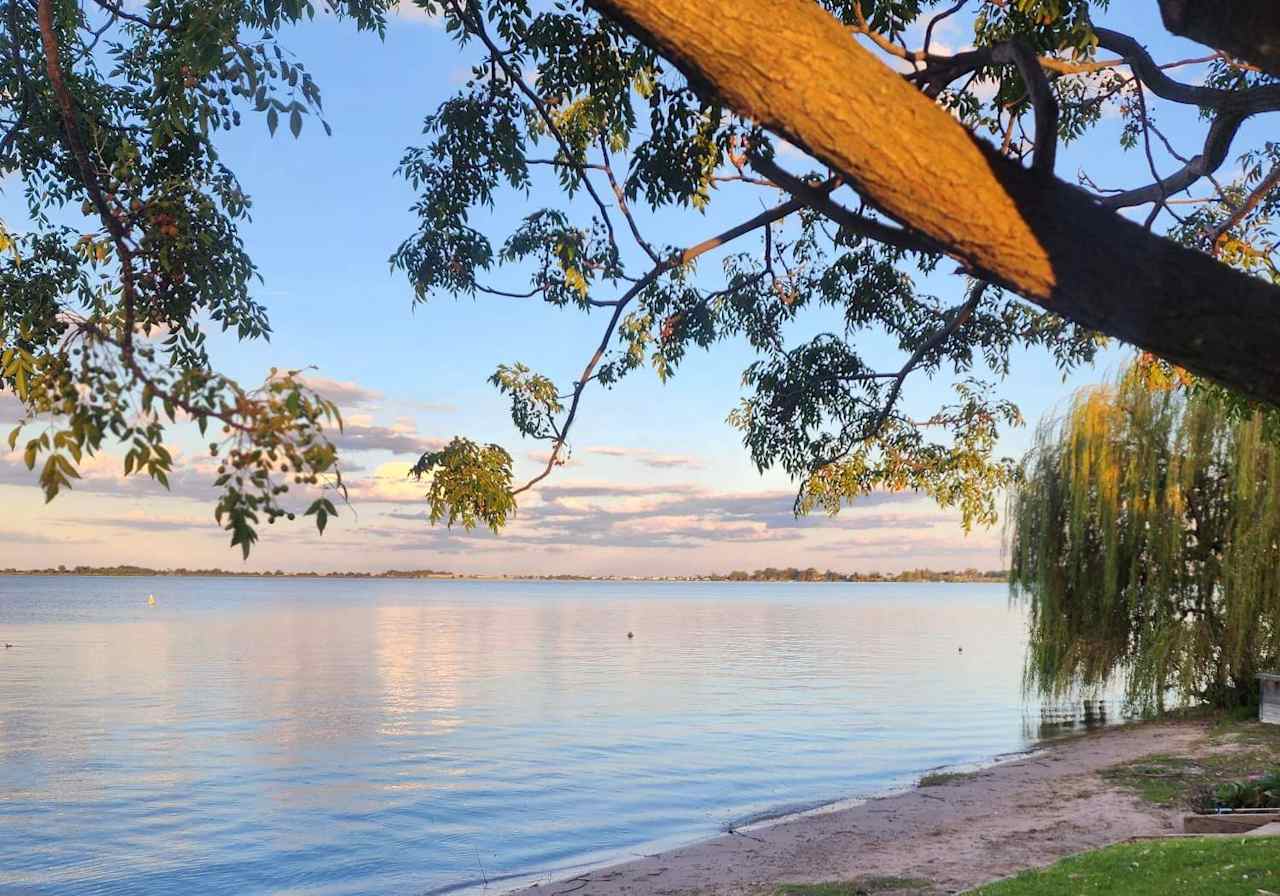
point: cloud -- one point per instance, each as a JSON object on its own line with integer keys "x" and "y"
{"x": 390, "y": 483}
{"x": 10, "y": 407}
{"x": 429, "y": 407}
{"x": 646, "y": 457}
{"x": 103, "y": 474}
{"x": 542, "y": 458}
{"x": 360, "y": 433}
{"x": 151, "y": 524}
{"x": 349, "y": 395}
{"x": 343, "y": 393}
{"x": 901, "y": 550}
{"x": 37, "y": 538}
{"x": 670, "y": 461}
{"x": 681, "y": 516}
{"x": 612, "y": 490}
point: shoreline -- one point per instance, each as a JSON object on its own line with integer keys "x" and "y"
{"x": 1017, "y": 811}
{"x": 930, "y": 577}
{"x": 535, "y": 883}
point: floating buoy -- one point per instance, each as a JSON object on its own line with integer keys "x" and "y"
{"x": 151, "y": 600}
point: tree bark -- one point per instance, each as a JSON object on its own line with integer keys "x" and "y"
{"x": 1246, "y": 29}
{"x": 794, "y": 69}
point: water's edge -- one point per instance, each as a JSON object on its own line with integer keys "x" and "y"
{"x": 784, "y": 814}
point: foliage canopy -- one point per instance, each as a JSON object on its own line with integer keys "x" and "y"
{"x": 131, "y": 248}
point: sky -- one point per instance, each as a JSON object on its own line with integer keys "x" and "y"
{"x": 658, "y": 482}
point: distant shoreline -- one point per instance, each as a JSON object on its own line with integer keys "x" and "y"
{"x": 768, "y": 575}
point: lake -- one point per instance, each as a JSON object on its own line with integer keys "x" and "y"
{"x": 345, "y": 736}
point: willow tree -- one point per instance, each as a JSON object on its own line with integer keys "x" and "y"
{"x": 1145, "y": 540}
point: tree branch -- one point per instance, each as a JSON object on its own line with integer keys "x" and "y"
{"x": 1248, "y": 29}
{"x": 1039, "y": 237}
{"x": 671, "y": 262}
{"x": 1269, "y": 183}
{"x": 955, "y": 319}
{"x": 1217, "y": 145}
{"x": 88, "y": 173}
{"x": 476, "y": 26}
{"x": 115, "y": 10}
{"x": 819, "y": 199}
{"x": 1042, "y": 101}
{"x": 621, "y": 196}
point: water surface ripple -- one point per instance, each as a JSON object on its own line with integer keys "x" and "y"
{"x": 407, "y": 737}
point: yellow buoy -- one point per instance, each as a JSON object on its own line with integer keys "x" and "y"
{"x": 151, "y": 600}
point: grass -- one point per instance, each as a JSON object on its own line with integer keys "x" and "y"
{"x": 1240, "y": 748}
{"x": 1233, "y": 866}
{"x": 862, "y": 886}
{"x": 1160, "y": 779}
{"x": 937, "y": 779}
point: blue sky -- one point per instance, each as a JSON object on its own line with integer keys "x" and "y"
{"x": 658, "y": 483}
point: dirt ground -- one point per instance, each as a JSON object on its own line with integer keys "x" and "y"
{"x": 938, "y": 839}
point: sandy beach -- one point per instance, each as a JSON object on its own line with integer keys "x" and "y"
{"x": 1014, "y": 815}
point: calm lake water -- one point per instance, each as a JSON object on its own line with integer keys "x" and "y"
{"x": 387, "y": 737}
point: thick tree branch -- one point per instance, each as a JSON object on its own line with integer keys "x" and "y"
{"x": 1247, "y": 29}
{"x": 1257, "y": 99}
{"x": 813, "y": 84}
{"x": 1232, "y": 107}
{"x": 1042, "y": 101}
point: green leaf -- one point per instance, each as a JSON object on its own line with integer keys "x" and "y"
{"x": 273, "y": 120}
{"x": 295, "y": 122}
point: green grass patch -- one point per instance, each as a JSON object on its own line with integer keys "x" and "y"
{"x": 1242, "y": 748}
{"x": 937, "y": 779}
{"x": 1159, "y": 779}
{"x": 1235, "y": 866}
{"x": 1248, "y": 732}
{"x": 862, "y": 886}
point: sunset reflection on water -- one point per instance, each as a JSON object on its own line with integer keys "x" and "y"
{"x": 319, "y": 736}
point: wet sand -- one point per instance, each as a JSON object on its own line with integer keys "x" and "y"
{"x": 1019, "y": 814}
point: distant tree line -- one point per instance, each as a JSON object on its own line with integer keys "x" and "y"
{"x": 130, "y": 570}
{"x": 791, "y": 574}
{"x": 770, "y": 574}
